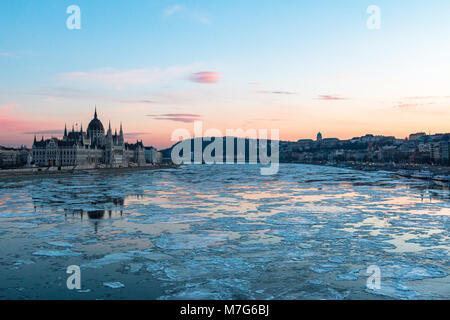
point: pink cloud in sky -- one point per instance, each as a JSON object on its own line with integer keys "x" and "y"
{"x": 277, "y": 92}
{"x": 206, "y": 77}
{"x": 424, "y": 104}
{"x": 428, "y": 97}
{"x": 414, "y": 106}
{"x": 178, "y": 117}
{"x": 408, "y": 105}
{"x": 329, "y": 97}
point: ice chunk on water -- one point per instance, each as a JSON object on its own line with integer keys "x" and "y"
{"x": 352, "y": 275}
{"x": 56, "y": 253}
{"x": 135, "y": 267}
{"x": 190, "y": 241}
{"x": 336, "y": 259}
{"x": 60, "y": 244}
{"x": 154, "y": 267}
{"x": 394, "y": 289}
{"x": 20, "y": 262}
{"x": 193, "y": 294}
{"x": 338, "y": 296}
{"x": 114, "y": 285}
{"x": 226, "y": 289}
{"x": 412, "y": 272}
{"x": 108, "y": 259}
{"x": 324, "y": 267}
{"x": 115, "y": 258}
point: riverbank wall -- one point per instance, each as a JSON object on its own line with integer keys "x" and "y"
{"x": 55, "y": 171}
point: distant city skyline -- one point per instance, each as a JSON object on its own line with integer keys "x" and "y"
{"x": 301, "y": 67}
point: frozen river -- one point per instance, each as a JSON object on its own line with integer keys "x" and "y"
{"x": 225, "y": 232}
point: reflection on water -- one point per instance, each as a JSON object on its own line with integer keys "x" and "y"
{"x": 227, "y": 232}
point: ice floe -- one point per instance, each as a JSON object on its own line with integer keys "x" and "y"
{"x": 114, "y": 285}
{"x": 115, "y": 258}
{"x": 56, "y": 253}
{"x": 60, "y": 244}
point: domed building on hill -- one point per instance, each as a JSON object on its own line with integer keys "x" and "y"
{"x": 88, "y": 149}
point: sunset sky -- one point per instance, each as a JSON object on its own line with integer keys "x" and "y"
{"x": 158, "y": 65}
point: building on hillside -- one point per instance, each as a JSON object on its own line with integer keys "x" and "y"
{"x": 440, "y": 152}
{"x": 418, "y": 137}
{"x": 319, "y": 137}
{"x": 152, "y": 155}
{"x": 445, "y": 152}
{"x": 14, "y": 158}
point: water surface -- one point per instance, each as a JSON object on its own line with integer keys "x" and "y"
{"x": 225, "y": 232}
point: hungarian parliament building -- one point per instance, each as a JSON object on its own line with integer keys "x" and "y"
{"x": 88, "y": 149}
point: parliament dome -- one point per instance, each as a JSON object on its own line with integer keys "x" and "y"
{"x": 95, "y": 124}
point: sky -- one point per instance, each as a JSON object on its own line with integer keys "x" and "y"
{"x": 159, "y": 65}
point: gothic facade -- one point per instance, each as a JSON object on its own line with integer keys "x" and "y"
{"x": 93, "y": 148}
